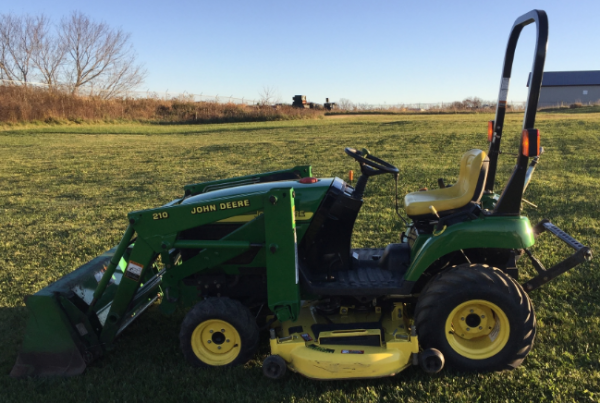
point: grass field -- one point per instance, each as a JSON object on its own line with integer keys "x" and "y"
{"x": 65, "y": 192}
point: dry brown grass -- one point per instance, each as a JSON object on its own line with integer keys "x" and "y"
{"x": 28, "y": 104}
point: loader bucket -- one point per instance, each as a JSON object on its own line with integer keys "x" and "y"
{"x": 60, "y": 337}
{"x": 50, "y": 347}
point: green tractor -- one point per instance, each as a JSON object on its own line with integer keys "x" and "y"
{"x": 272, "y": 252}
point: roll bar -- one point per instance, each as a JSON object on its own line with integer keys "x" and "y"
{"x": 510, "y": 200}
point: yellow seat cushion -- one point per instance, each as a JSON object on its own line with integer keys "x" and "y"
{"x": 449, "y": 198}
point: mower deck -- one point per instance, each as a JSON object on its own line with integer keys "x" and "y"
{"x": 346, "y": 344}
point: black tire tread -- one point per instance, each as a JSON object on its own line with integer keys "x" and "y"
{"x": 225, "y": 309}
{"x": 474, "y": 277}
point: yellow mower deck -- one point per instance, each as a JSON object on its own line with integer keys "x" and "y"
{"x": 382, "y": 349}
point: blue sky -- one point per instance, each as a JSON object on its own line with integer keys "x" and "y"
{"x": 366, "y": 51}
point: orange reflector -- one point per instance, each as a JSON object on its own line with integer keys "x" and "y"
{"x": 530, "y": 142}
{"x": 308, "y": 180}
{"x": 525, "y": 142}
{"x": 351, "y": 175}
{"x": 490, "y": 130}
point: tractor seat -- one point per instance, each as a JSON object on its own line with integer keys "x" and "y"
{"x": 469, "y": 187}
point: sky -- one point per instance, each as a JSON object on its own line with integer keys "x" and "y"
{"x": 376, "y": 52}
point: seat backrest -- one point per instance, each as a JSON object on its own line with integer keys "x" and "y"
{"x": 469, "y": 187}
{"x": 483, "y": 171}
{"x": 473, "y": 171}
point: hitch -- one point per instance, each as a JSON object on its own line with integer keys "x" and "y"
{"x": 582, "y": 254}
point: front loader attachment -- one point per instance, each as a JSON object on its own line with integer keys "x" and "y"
{"x": 76, "y": 319}
{"x": 52, "y": 344}
{"x": 67, "y": 317}
{"x": 50, "y": 347}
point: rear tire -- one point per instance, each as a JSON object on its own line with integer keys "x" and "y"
{"x": 478, "y": 317}
{"x": 218, "y": 332}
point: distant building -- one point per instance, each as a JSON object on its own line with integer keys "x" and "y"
{"x": 568, "y": 87}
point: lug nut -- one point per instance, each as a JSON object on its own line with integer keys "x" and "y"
{"x": 219, "y": 347}
{"x": 482, "y": 316}
{"x": 209, "y": 342}
{"x": 222, "y": 330}
{"x": 480, "y": 327}
{"x": 210, "y": 331}
{"x": 462, "y": 318}
{"x": 468, "y": 329}
{"x": 471, "y": 311}
{"x": 227, "y": 340}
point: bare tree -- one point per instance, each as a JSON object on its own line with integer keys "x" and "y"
{"x": 49, "y": 53}
{"x": 8, "y": 38}
{"x": 268, "y": 96}
{"x": 472, "y": 103}
{"x": 120, "y": 78}
{"x": 99, "y": 56}
{"x": 18, "y": 42}
{"x": 345, "y": 104}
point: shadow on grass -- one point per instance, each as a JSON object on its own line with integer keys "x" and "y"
{"x": 122, "y": 130}
{"x": 397, "y": 123}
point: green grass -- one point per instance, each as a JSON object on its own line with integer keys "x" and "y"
{"x": 66, "y": 191}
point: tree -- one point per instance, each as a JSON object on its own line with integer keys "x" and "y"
{"x": 49, "y": 53}
{"x": 268, "y": 96}
{"x": 18, "y": 42}
{"x": 472, "y": 103}
{"x": 345, "y": 104}
{"x": 77, "y": 53}
{"x": 98, "y": 56}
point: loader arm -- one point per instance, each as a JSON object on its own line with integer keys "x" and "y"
{"x": 76, "y": 320}
{"x": 158, "y": 231}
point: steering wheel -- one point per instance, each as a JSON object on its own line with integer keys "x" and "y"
{"x": 370, "y": 165}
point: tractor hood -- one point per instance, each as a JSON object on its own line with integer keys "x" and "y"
{"x": 308, "y": 195}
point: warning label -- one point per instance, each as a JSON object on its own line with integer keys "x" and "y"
{"x": 353, "y": 352}
{"x": 503, "y": 89}
{"x": 306, "y": 336}
{"x": 134, "y": 271}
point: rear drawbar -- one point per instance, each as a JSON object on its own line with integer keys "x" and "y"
{"x": 582, "y": 254}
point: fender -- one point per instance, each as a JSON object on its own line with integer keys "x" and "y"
{"x": 487, "y": 232}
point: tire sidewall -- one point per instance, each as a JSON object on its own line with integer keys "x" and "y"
{"x": 461, "y": 284}
{"x": 506, "y": 302}
{"x": 201, "y": 313}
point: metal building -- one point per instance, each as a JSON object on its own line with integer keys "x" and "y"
{"x": 568, "y": 87}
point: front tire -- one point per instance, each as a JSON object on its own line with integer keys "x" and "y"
{"x": 478, "y": 317}
{"x": 218, "y": 332}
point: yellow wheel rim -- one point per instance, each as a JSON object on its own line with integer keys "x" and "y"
{"x": 477, "y": 329}
{"x": 216, "y": 342}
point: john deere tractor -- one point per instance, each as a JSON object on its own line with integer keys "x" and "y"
{"x": 272, "y": 252}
